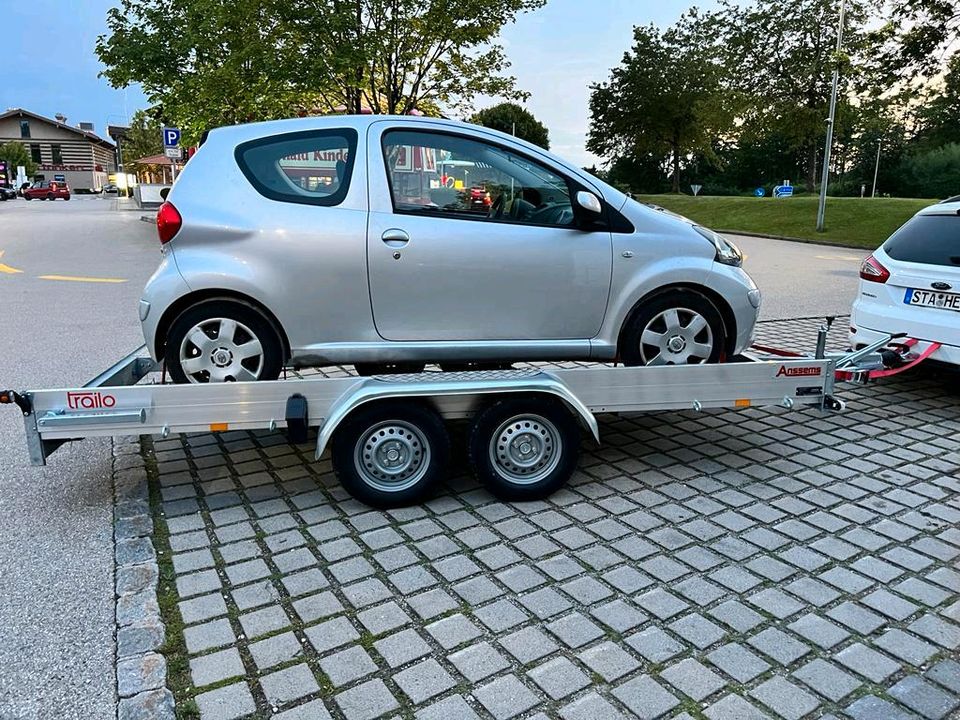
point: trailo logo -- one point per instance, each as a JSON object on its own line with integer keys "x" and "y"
{"x": 90, "y": 400}
{"x": 784, "y": 371}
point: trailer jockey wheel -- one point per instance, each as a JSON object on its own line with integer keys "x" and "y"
{"x": 524, "y": 448}
{"x": 389, "y": 454}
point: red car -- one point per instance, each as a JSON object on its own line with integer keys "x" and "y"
{"x": 47, "y": 191}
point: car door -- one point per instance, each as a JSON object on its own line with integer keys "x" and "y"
{"x": 471, "y": 240}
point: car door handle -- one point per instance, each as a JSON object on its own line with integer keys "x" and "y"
{"x": 394, "y": 237}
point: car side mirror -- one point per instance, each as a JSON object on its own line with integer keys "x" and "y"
{"x": 590, "y": 203}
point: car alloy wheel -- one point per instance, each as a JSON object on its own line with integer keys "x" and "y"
{"x": 677, "y": 336}
{"x": 221, "y": 350}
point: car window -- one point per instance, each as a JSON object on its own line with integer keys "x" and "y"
{"x": 929, "y": 239}
{"x": 455, "y": 176}
{"x": 312, "y": 167}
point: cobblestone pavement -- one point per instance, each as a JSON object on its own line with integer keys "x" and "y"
{"x": 736, "y": 564}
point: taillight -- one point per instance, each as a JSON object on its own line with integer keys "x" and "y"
{"x": 168, "y": 222}
{"x": 872, "y": 271}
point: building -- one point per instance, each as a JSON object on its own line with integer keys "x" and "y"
{"x": 79, "y": 157}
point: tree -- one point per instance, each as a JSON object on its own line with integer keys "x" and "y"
{"x": 143, "y": 139}
{"x": 939, "y": 116}
{"x": 781, "y": 59}
{"x": 665, "y": 99}
{"x": 204, "y": 63}
{"x": 512, "y": 119}
{"x": 16, "y": 154}
{"x": 919, "y": 36}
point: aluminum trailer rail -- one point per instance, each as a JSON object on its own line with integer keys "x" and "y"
{"x": 117, "y": 402}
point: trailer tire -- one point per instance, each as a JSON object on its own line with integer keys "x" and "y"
{"x": 390, "y": 453}
{"x": 540, "y": 457}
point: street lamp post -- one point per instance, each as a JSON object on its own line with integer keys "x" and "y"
{"x": 825, "y": 176}
{"x": 876, "y": 169}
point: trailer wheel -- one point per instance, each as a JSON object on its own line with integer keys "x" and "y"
{"x": 524, "y": 448}
{"x": 390, "y": 454}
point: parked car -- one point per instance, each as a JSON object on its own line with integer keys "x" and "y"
{"x": 323, "y": 245}
{"x": 46, "y": 190}
{"x": 911, "y": 285}
{"x": 8, "y": 193}
{"x": 109, "y": 188}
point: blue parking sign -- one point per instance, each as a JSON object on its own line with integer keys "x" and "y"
{"x": 171, "y": 137}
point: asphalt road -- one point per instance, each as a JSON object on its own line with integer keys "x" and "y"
{"x": 70, "y": 276}
{"x": 56, "y": 532}
{"x": 799, "y": 279}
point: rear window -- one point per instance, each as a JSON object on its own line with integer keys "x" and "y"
{"x": 928, "y": 239}
{"x": 312, "y": 167}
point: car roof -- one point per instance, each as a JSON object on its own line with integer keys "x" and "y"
{"x": 948, "y": 207}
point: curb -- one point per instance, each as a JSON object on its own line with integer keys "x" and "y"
{"x": 805, "y": 241}
{"x": 142, "y": 692}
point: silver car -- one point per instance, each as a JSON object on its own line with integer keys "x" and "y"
{"x": 391, "y": 242}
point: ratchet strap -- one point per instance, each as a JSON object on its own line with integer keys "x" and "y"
{"x": 843, "y": 375}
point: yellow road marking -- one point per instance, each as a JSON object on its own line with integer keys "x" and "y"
{"x": 6, "y": 268}
{"x": 71, "y": 278}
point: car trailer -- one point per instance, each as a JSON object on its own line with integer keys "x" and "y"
{"x": 387, "y": 434}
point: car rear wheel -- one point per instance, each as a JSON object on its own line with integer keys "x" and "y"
{"x": 680, "y": 327}
{"x": 223, "y": 341}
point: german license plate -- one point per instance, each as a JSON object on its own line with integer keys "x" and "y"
{"x": 932, "y": 299}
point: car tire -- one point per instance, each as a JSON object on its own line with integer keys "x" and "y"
{"x": 215, "y": 359}
{"x": 679, "y": 327}
{"x": 66, "y": 197}
{"x": 414, "y": 434}
{"x": 543, "y": 461}
{"x": 399, "y": 368}
{"x": 27, "y": 197}
{"x": 50, "y": 197}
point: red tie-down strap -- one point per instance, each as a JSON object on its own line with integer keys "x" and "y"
{"x": 844, "y": 375}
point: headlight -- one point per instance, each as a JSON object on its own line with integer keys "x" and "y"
{"x": 727, "y": 252}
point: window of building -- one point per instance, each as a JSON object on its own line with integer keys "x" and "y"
{"x": 35, "y": 153}
{"x": 312, "y": 167}
{"x": 57, "y": 154}
{"x": 24, "y": 128}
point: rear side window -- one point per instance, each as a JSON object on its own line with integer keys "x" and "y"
{"x": 312, "y": 167}
{"x": 928, "y": 239}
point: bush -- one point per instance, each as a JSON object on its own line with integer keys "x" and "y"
{"x": 935, "y": 173}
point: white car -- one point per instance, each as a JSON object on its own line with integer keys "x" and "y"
{"x": 911, "y": 285}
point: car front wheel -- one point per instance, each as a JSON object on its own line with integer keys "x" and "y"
{"x": 223, "y": 341}
{"x": 679, "y": 327}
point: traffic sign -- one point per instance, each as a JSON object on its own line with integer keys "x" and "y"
{"x": 696, "y": 189}
{"x": 171, "y": 137}
{"x": 783, "y": 191}
{"x": 172, "y": 152}
{"x": 759, "y": 192}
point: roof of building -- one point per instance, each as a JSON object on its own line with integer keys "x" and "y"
{"x": 153, "y": 160}
{"x": 91, "y": 136}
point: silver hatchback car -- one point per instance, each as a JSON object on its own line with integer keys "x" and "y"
{"x": 391, "y": 242}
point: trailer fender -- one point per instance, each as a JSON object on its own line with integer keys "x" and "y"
{"x": 422, "y": 385}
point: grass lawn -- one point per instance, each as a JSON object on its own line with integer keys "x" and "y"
{"x": 861, "y": 222}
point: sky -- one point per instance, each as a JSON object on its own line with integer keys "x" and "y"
{"x": 556, "y": 53}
